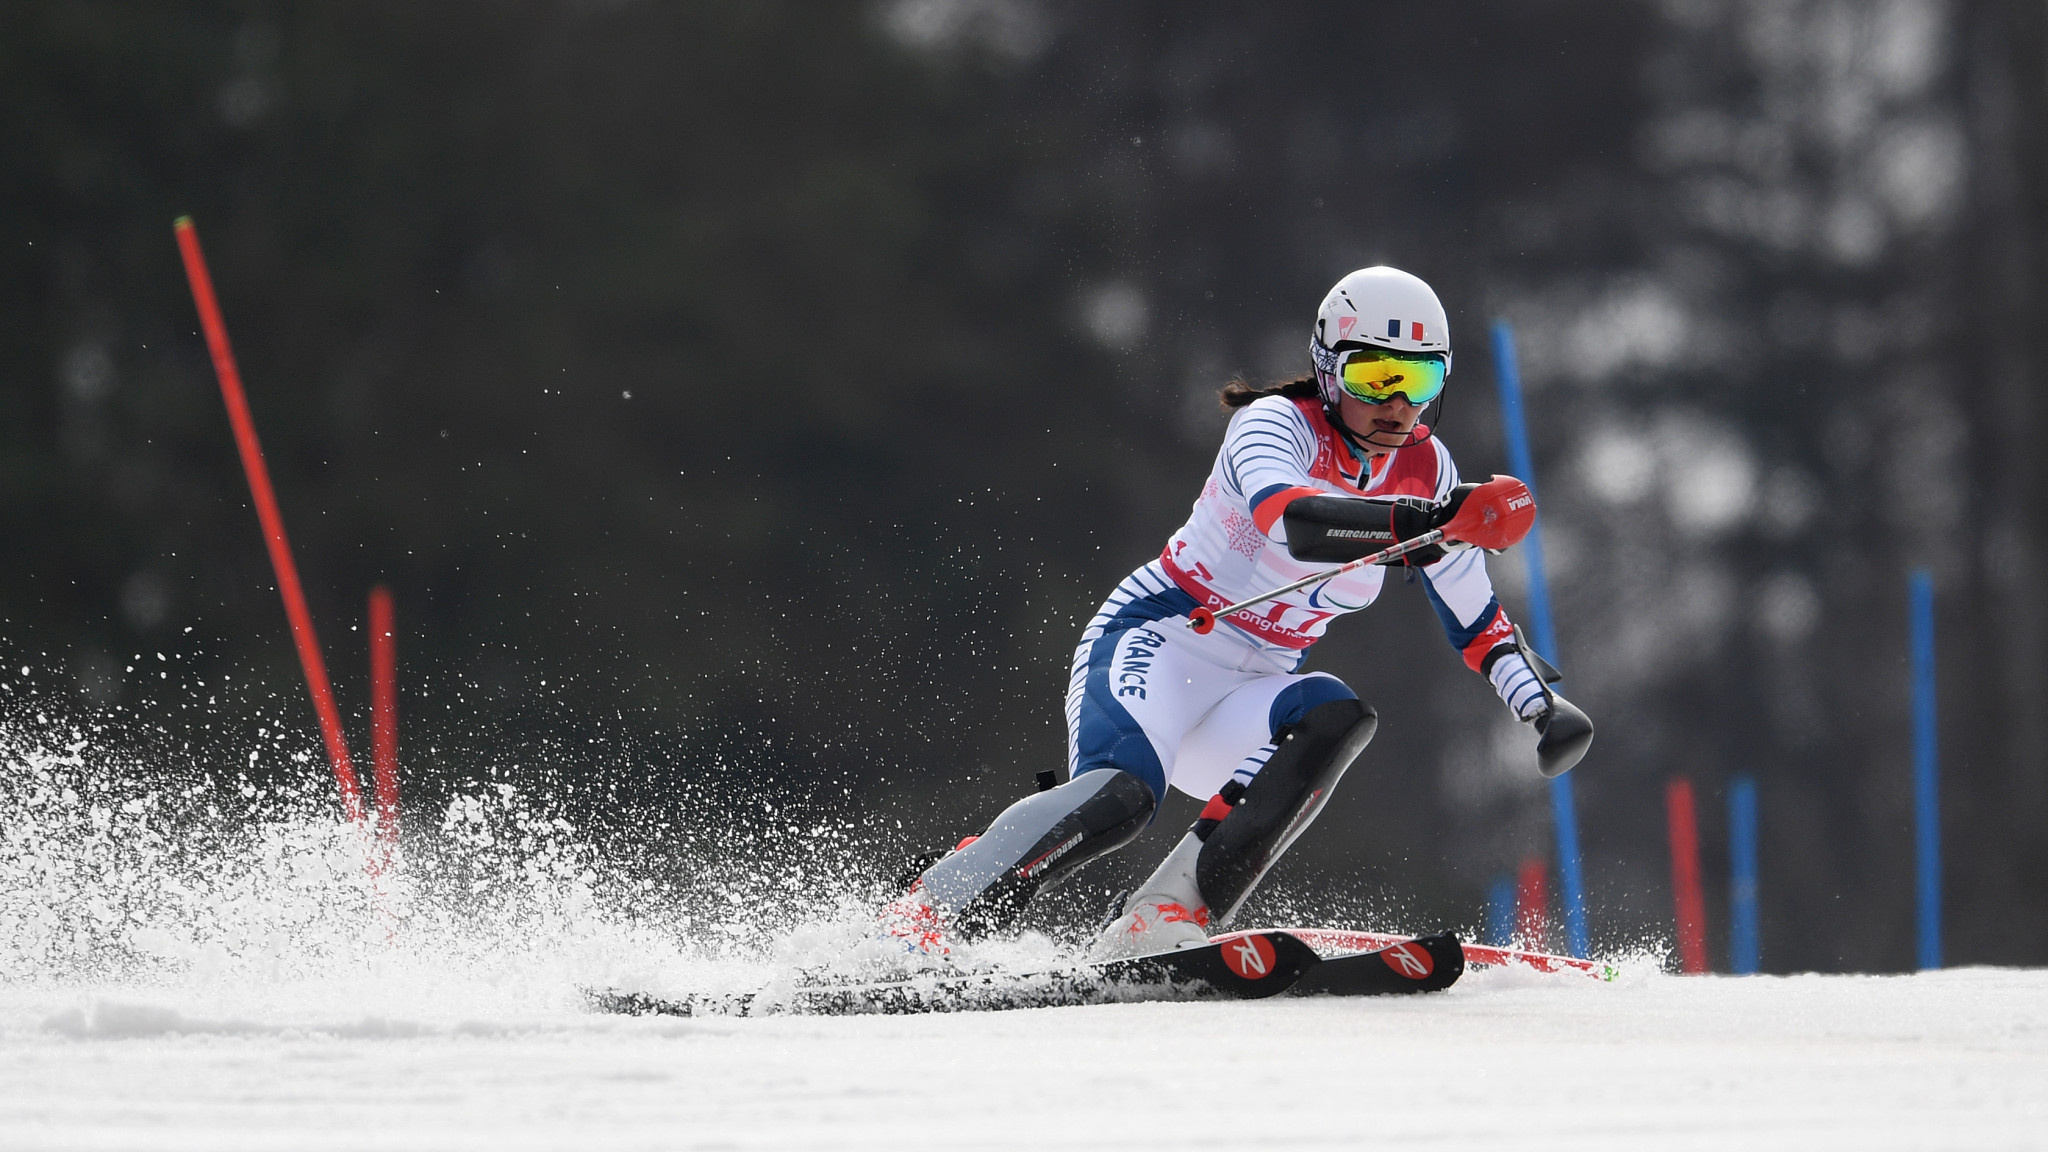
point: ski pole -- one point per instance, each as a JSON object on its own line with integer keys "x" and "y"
{"x": 265, "y": 498}
{"x": 1202, "y": 619}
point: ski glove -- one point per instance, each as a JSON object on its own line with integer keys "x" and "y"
{"x": 1338, "y": 529}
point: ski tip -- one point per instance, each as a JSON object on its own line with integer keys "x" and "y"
{"x": 1448, "y": 953}
{"x": 1425, "y": 964}
{"x": 1397, "y": 966}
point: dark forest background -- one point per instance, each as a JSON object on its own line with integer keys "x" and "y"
{"x": 748, "y": 402}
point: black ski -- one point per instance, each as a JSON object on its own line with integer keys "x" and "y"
{"x": 1424, "y": 964}
{"x": 1245, "y": 966}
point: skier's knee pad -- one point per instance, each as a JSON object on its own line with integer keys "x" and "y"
{"x": 1281, "y": 801}
{"x": 1038, "y": 840}
{"x": 1303, "y": 696}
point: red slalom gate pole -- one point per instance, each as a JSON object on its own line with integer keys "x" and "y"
{"x": 1532, "y": 904}
{"x": 1685, "y": 877}
{"x": 273, "y": 524}
{"x": 384, "y": 713}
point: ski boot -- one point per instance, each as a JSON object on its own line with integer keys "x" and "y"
{"x": 910, "y": 920}
{"x": 1166, "y": 913}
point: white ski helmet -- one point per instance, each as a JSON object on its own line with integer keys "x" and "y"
{"x": 1382, "y": 307}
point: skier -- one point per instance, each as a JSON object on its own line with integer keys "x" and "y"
{"x": 1329, "y": 468}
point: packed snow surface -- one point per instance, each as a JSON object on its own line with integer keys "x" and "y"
{"x": 196, "y": 964}
{"x": 1943, "y": 1060}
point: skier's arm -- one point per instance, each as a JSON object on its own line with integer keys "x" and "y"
{"x": 1479, "y": 628}
{"x": 1336, "y": 529}
{"x": 1266, "y": 456}
{"x": 1463, "y": 597}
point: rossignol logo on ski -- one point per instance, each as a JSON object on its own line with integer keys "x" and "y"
{"x": 1409, "y": 961}
{"x": 1250, "y": 957}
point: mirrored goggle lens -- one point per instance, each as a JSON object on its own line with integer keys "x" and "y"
{"x": 1375, "y": 376}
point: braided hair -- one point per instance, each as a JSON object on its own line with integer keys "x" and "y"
{"x": 1240, "y": 392}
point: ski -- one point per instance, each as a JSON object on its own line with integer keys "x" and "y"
{"x": 1239, "y": 966}
{"x": 1327, "y": 941}
{"x": 1424, "y": 964}
{"x": 1247, "y": 966}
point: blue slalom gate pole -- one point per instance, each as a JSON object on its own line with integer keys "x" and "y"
{"x": 1742, "y": 934}
{"x": 1563, "y": 812}
{"x": 1926, "y": 767}
{"x": 1500, "y": 912}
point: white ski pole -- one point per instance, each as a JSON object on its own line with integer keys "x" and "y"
{"x": 1203, "y": 619}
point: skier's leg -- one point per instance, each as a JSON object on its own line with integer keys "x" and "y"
{"x": 1317, "y": 729}
{"x": 984, "y": 886}
{"x": 1280, "y": 802}
{"x": 1134, "y": 696}
{"x": 1238, "y": 736}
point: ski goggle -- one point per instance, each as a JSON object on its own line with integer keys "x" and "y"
{"x": 1375, "y": 375}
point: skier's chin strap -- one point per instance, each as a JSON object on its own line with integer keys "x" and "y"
{"x": 1366, "y": 445}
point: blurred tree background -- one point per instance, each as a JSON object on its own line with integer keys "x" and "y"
{"x": 752, "y": 400}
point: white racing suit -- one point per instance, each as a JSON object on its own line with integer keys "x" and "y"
{"x": 1153, "y": 704}
{"x": 1151, "y": 696}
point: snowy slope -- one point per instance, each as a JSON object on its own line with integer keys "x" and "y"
{"x": 1945, "y": 1060}
{"x": 179, "y": 972}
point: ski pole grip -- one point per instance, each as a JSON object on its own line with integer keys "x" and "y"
{"x": 1496, "y": 515}
{"x": 1202, "y": 621}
